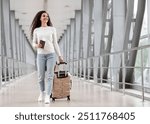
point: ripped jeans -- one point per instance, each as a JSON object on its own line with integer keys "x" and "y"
{"x": 46, "y": 61}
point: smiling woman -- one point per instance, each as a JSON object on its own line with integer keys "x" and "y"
{"x": 45, "y": 41}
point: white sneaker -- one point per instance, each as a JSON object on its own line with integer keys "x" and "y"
{"x": 41, "y": 97}
{"x": 47, "y": 99}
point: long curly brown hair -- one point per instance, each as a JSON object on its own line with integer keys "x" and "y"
{"x": 37, "y": 22}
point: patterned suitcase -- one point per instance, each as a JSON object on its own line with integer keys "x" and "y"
{"x": 61, "y": 83}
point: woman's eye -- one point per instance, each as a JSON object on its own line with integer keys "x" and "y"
{"x": 45, "y": 16}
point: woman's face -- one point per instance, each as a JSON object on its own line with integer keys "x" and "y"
{"x": 44, "y": 18}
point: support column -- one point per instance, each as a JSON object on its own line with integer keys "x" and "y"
{"x": 72, "y": 35}
{"x": 13, "y": 32}
{"x": 135, "y": 40}
{"x": 85, "y": 25}
{"x": 148, "y": 20}
{"x": 77, "y": 40}
{"x": 65, "y": 46}
{"x": 6, "y": 18}
{"x": 87, "y": 6}
{"x": 7, "y": 43}
{"x": 106, "y": 37}
{"x": 97, "y": 34}
{"x": 118, "y": 36}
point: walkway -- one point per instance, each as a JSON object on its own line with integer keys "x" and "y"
{"x": 24, "y": 93}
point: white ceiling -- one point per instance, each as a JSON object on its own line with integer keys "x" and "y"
{"x": 60, "y": 12}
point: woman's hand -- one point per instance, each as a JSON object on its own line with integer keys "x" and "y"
{"x": 38, "y": 45}
{"x": 61, "y": 59}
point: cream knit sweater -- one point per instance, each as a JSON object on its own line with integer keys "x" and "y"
{"x": 47, "y": 34}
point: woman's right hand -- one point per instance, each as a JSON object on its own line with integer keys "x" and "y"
{"x": 38, "y": 45}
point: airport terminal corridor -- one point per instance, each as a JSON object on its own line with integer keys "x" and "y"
{"x": 105, "y": 43}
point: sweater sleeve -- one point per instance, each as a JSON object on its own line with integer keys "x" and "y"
{"x": 56, "y": 47}
{"x": 34, "y": 39}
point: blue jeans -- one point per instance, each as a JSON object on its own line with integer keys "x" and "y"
{"x": 46, "y": 60}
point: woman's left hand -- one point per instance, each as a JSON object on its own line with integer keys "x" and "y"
{"x": 61, "y": 59}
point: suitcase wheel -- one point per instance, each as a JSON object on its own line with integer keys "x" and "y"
{"x": 68, "y": 98}
{"x": 53, "y": 99}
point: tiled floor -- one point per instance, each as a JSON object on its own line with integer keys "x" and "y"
{"x": 24, "y": 93}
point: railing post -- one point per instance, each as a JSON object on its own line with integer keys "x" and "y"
{"x": 142, "y": 75}
{"x": 110, "y": 72}
{"x": 5, "y": 69}
{"x": 123, "y": 72}
{"x": 18, "y": 69}
{"x": 9, "y": 69}
{"x": 101, "y": 69}
{"x": 87, "y": 70}
{"x": 12, "y": 67}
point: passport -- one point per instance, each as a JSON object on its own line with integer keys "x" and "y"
{"x": 42, "y": 43}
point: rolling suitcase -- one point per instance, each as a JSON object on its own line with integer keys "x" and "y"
{"x": 61, "y": 83}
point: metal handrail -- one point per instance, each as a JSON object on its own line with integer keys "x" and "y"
{"x": 121, "y": 53}
{"x": 116, "y": 52}
{"x": 12, "y": 69}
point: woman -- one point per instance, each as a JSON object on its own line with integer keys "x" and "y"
{"x": 45, "y": 41}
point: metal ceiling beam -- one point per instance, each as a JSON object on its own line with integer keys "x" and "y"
{"x": 135, "y": 39}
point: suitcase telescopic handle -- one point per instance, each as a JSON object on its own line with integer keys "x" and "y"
{"x": 62, "y": 63}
